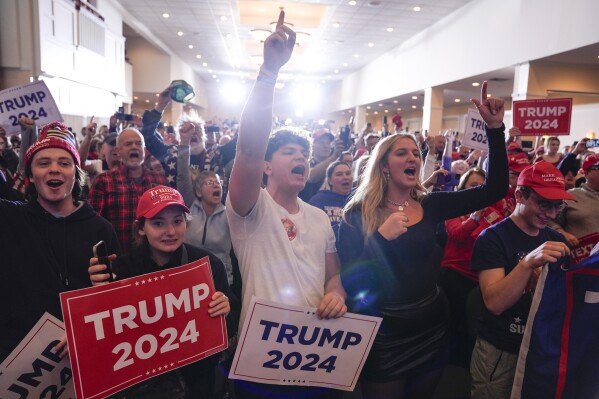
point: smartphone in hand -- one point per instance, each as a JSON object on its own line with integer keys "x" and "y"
{"x": 101, "y": 253}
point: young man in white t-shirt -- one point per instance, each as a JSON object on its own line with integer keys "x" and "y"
{"x": 286, "y": 248}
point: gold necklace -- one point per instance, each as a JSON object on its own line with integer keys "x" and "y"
{"x": 399, "y": 205}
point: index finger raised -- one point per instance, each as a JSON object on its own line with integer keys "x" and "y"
{"x": 483, "y": 91}
{"x": 281, "y": 19}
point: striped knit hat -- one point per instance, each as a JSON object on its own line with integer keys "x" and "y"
{"x": 54, "y": 135}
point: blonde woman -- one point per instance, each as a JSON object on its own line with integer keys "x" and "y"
{"x": 390, "y": 259}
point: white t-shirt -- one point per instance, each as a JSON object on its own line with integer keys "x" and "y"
{"x": 281, "y": 255}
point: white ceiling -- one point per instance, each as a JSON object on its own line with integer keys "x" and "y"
{"x": 219, "y": 31}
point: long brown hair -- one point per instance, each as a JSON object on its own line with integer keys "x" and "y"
{"x": 370, "y": 195}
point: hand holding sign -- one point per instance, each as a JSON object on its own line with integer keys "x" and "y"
{"x": 491, "y": 109}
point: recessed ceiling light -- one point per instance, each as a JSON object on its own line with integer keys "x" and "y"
{"x": 223, "y": 18}
{"x": 376, "y": 112}
{"x": 329, "y": 76}
{"x": 352, "y": 2}
{"x": 345, "y": 64}
{"x": 367, "y": 114}
{"x": 416, "y": 8}
{"x": 336, "y": 25}
{"x": 414, "y": 97}
{"x": 380, "y": 104}
{"x": 371, "y": 44}
{"x": 180, "y": 33}
{"x": 399, "y": 109}
{"x": 368, "y": 107}
{"x": 157, "y": 94}
{"x": 350, "y": 111}
{"x": 217, "y": 80}
{"x": 147, "y": 100}
{"x": 165, "y": 15}
{"x": 190, "y": 46}
{"x": 214, "y": 76}
{"x": 457, "y": 100}
{"x": 198, "y": 56}
{"x": 386, "y": 111}
{"x": 356, "y": 55}
{"x": 210, "y": 71}
{"x": 323, "y": 81}
{"x": 395, "y": 101}
{"x": 489, "y": 95}
{"x": 336, "y": 71}
{"x": 475, "y": 84}
{"x": 136, "y": 98}
{"x": 204, "y": 64}
{"x": 389, "y": 29}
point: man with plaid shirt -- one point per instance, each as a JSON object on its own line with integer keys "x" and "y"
{"x": 115, "y": 194}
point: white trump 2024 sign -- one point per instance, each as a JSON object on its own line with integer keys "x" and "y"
{"x": 288, "y": 345}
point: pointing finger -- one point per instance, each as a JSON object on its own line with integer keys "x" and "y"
{"x": 483, "y": 91}
{"x": 281, "y": 20}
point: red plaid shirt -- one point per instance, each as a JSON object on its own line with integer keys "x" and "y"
{"x": 114, "y": 195}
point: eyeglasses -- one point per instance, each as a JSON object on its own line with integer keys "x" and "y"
{"x": 546, "y": 206}
{"x": 211, "y": 183}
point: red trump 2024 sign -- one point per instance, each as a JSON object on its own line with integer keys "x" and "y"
{"x": 131, "y": 330}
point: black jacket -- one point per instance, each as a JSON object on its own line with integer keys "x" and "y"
{"x": 40, "y": 257}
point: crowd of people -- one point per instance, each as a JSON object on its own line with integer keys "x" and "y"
{"x": 448, "y": 256}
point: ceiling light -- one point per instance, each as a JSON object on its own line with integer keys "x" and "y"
{"x": 204, "y": 64}
{"x": 376, "y": 112}
{"x": 147, "y": 100}
{"x": 157, "y": 94}
{"x": 223, "y": 18}
{"x": 399, "y": 109}
{"x": 165, "y": 15}
{"x": 475, "y": 84}
{"x": 214, "y": 76}
{"x": 352, "y": 2}
{"x": 416, "y": 8}
{"x": 414, "y": 97}
{"x": 190, "y": 46}
{"x": 457, "y": 100}
{"x": 488, "y": 95}
{"x": 389, "y": 29}
{"x": 198, "y": 56}
{"x": 260, "y": 34}
{"x": 368, "y": 107}
{"x": 136, "y": 98}
{"x": 210, "y": 71}
{"x": 336, "y": 71}
{"x": 371, "y": 44}
{"x": 380, "y": 104}
{"x": 180, "y": 33}
{"x": 413, "y": 106}
{"x": 367, "y": 114}
{"x": 345, "y": 64}
{"x": 386, "y": 111}
{"x": 350, "y": 111}
{"x": 336, "y": 25}
{"x": 395, "y": 101}
{"x": 356, "y": 55}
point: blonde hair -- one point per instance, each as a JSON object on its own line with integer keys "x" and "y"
{"x": 370, "y": 195}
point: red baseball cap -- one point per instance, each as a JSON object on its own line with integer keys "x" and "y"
{"x": 590, "y": 160}
{"x": 518, "y": 162}
{"x": 154, "y": 200}
{"x": 546, "y": 180}
{"x": 513, "y": 146}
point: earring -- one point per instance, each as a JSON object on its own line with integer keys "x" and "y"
{"x": 386, "y": 174}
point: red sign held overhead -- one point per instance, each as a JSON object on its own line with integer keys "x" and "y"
{"x": 543, "y": 117}
{"x": 131, "y": 330}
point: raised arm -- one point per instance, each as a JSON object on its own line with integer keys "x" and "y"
{"x": 256, "y": 121}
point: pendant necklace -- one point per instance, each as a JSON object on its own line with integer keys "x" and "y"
{"x": 399, "y": 205}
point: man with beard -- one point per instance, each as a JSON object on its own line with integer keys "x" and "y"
{"x": 115, "y": 194}
{"x": 199, "y": 156}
